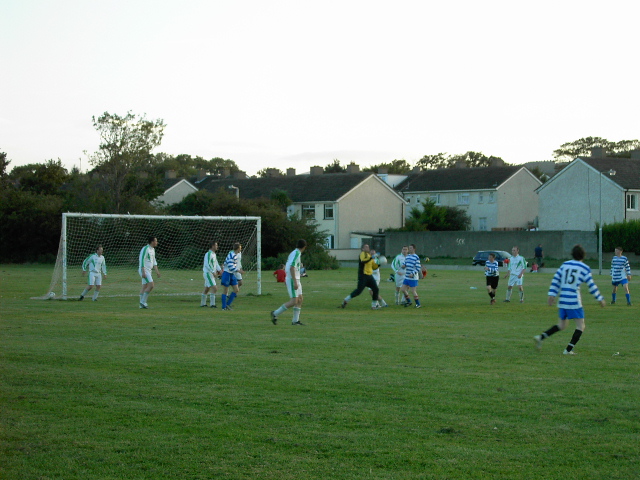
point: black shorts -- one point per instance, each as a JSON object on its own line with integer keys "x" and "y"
{"x": 493, "y": 282}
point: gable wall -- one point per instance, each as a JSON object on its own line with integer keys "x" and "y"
{"x": 572, "y": 200}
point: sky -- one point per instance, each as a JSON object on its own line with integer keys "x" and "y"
{"x": 293, "y": 84}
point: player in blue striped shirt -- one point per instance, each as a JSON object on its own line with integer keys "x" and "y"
{"x": 620, "y": 275}
{"x": 567, "y": 281}
{"x": 493, "y": 277}
{"x": 412, "y": 268}
{"x": 229, "y": 276}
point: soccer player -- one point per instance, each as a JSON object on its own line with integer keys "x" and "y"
{"x": 567, "y": 281}
{"x": 147, "y": 262}
{"x": 620, "y": 275}
{"x": 376, "y": 277}
{"x": 209, "y": 271}
{"x": 229, "y": 278}
{"x": 366, "y": 265}
{"x": 239, "y": 271}
{"x": 280, "y": 274}
{"x": 412, "y": 270}
{"x": 96, "y": 266}
{"x": 517, "y": 266}
{"x": 294, "y": 287}
{"x": 493, "y": 277}
{"x": 397, "y": 265}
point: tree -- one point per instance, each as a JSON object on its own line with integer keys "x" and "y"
{"x": 399, "y": 167}
{"x": 432, "y": 217}
{"x": 470, "y": 158}
{"x": 4, "y": 166}
{"x": 125, "y": 149}
{"x": 335, "y": 167}
{"x": 582, "y": 147}
{"x": 270, "y": 172}
{"x": 45, "y": 178}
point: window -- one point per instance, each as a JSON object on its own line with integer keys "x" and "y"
{"x": 309, "y": 211}
{"x": 417, "y": 199}
{"x": 491, "y": 197}
{"x": 329, "y": 242}
{"x": 632, "y": 201}
{"x": 435, "y": 198}
{"x": 463, "y": 199}
{"x": 480, "y": 197}
{"x": 328, "y": 211}
{"x": 482, "y": 224}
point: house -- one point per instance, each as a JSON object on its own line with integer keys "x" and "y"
{"x": 175, "y": 189}
{"x": 345, "y": 205}
{"x": 591, "y": 190}
{"x": 496, "y": 198}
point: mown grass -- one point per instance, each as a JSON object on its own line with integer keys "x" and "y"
{"x": 453, "y": 390}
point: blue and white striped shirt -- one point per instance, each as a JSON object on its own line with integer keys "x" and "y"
{"x": 412, "y": 266}
{"x": 492, "y": 268}
{"x": 231, "y": 262}
{"x": 620, "y": 268}
{"x": 567, "y": 281}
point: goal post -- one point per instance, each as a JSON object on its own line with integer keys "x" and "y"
{"x": 182, "y": 244}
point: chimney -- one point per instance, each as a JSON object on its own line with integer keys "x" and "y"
{"x": 598, "y": 152}
{"x": 635, "y": 154}
{"x": 316, "y": 171}
{"x": 461, "y": 164}
{"x": 353, "y": 168}
{"x": 240, "y": 175}
{"x": 272, "y": 172}
{"x": 496, "y": 162}
{"x": 170, "y": 174}
{"x": 291, "y": 172}
{"x": 383, "y": 171}
{"x": 416, "y": 169}
{"x": 226, "y": 172}
{"x": 201, "y": 174}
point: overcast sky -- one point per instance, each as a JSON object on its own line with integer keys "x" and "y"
{"x": 293, "y": 83}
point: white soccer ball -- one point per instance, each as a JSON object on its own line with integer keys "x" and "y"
{"x": 382, "y": 260}
{"x": 52, "y": 294}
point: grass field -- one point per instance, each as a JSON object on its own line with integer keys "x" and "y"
{"x": 455, "y": 390}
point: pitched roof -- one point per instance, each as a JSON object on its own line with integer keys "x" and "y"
{"x": 627, "y": 170}
{"x": 447, "y": 179}
{"x": 327, "y": 187}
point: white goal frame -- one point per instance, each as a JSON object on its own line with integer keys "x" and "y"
{"x": 64, "y": 240}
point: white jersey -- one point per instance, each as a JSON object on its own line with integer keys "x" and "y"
{"x": 210, "y": 263}
{"x": 238, "y": 274}
{"x": 95, "y": 263}
{"x": 147, "y": 258}
{"x": 293, "y": 261}
{"x": 376, "y": 272}
{"x": 517, "y": 265}
{"x": 397, "y": 264}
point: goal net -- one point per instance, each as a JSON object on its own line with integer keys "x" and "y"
{"x": 182, "y": 244}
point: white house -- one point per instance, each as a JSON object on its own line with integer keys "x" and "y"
{"x": 345, "y": 205}
{"x": 590, "y": 190}
{"x": 496, "y": 197}
{"x": 175, "y": 189}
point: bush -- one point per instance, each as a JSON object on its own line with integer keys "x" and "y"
{"x": 623, "y": 234}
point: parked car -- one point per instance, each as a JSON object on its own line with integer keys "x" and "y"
{"x": 483, "y": 255}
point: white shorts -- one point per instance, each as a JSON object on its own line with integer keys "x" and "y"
{"x": 95, "y": 278}
{"x": 292, "y": 292}
{"x": 399, "y": 280}
{"x": 209, "y": 280}
{"x": 148, "y": 279}
{"x": 514, "y": 280}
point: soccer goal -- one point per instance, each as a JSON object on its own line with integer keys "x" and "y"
{"x": 182, "y": 244}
